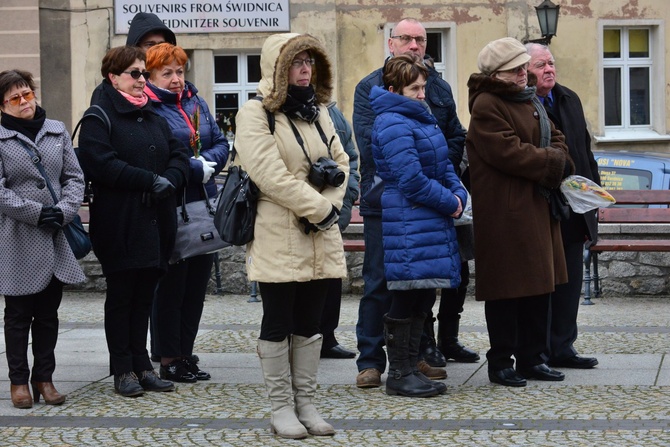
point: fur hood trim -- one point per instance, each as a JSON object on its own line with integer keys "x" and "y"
{"x": 278, "y": 52}
{"x": 481, "y": 83}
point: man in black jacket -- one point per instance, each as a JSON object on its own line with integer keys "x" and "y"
{"x": 408, "y": 36}
{"x": 565, "y": 110}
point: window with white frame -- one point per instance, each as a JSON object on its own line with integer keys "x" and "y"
{"x": 236, "y": 78}
{"x": 633, "y": 99}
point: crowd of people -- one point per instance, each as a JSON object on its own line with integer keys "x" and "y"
{"x": 418, "y": 167}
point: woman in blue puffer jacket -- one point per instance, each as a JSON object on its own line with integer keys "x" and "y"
{"x": 180, "y": 294}
{"x": 422, "y": 195}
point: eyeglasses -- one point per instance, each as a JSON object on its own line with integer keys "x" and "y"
{"x": 405, "y": 39}
{"x": 135, "y": 74}
{"x": 297, "y": 63}
{"x": 16, "y": 99}
{"x": 516, "y": 70}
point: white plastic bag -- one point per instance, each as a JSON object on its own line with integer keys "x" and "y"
{"x": 585, "y": 195}
{"x": 466, "y": 217}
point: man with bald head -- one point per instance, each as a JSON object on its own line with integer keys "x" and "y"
{"x": 565, "y": 110}
{"x": 409, "y": 35}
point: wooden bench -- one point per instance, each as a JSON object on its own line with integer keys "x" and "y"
{"x": 634, "y": 219}
{"x": 352, "y": 237}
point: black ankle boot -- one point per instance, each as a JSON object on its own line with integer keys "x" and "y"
{"x": 401, "y": 380}
{"x": 428, "y": 346}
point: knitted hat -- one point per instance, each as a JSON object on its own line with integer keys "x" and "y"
{"x": 502, "y": 54}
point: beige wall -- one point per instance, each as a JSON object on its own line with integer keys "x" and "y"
{"x": 353, "y": 33}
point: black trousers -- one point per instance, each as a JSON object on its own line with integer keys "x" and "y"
{"x": 408, "y": 303}
{"x": 330, "y": 317}
{"x": 565, "y": 305}
{"x": 517, "y": 327}
{"x": 35, "y": 314}
{"x": 130, "y": 294}
{"x": 177, "y": 308}
{"x": 292, "y": 308}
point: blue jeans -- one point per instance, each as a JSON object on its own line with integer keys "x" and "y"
{"x": 376, "y": 299}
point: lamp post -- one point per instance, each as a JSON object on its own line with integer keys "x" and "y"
{"x": 547, "y": 15}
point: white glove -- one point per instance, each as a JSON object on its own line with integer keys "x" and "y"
{"x": 207, "y": 168}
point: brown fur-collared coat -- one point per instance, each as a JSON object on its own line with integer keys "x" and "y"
{"x": 518, "y": 247}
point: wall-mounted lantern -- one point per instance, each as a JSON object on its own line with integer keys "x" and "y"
{"x": 547, "y": 15}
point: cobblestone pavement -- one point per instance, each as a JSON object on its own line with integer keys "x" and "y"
{"x": 625, "y": 401}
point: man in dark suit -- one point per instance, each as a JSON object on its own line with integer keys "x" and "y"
{"x": 565, "y": 110}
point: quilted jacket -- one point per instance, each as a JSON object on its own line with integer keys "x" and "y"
{"x": 420, "y": 247}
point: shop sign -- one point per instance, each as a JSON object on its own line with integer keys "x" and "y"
{"x": 197, "y": 16}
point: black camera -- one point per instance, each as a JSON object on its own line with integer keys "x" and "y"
{"x": 325, "y": 172}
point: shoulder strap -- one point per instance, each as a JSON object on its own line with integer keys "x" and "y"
{"x": 37, "y": 161}
{"x": 104, "y": 118}
{"x": 270, "y": 115}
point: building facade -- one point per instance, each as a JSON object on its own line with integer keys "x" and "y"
{"x": 613, "y": 54}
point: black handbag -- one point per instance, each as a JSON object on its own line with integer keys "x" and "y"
{"x": 558, "y": 204}
{"x": 196, "y": 233}
{"x": 74, "y": 232}
{"x": 236, "y": 206}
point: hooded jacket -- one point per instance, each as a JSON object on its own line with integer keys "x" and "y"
{"x": 420, "y": 188}
{"x": 144, "y": 23}
{"x": 518, "y": 245}
{"x": 281, "y": 251}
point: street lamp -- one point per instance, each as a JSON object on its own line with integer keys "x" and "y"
{"x": 547, "y": 15}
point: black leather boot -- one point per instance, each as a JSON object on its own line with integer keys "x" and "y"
{"x": 428, "y": 347}
{"x": 401, "y": 380}
{"x": 447, "y": 330}
{"x": 415, "y": 331}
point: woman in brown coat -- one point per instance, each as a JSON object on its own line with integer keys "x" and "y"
{"x": 516, "y": 155}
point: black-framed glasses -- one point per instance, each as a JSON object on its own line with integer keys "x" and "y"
{"x": 135, "y": 74}
{"x": 297, "y": 63}
{"x": 16, "y": 99}
{"x": 405, "y": 39}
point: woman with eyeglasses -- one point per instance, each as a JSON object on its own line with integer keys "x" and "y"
{"x": 301, "y": 171}
{"x": 35, "y": 258}
{"x": 516, "y": 156}
{"x": 180, "y": 295}
{"x": 134, "y": 170}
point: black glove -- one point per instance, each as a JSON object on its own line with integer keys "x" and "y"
{"x": 309, "y": 226}
{"x": 330, "y": 220}
{"x": 161, "y": 187}
{"x": 50, "y": 217}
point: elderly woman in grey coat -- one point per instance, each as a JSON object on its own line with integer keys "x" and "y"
{"x": 35, "y": 258}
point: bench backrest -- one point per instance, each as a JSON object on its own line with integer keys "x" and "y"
{"x": 637, "y": 215}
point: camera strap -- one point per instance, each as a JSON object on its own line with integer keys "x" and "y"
{"x": 302, "y": 143}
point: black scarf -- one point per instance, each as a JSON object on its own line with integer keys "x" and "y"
{"x": 301, "y": 103}
{"x": 30, "y": 128}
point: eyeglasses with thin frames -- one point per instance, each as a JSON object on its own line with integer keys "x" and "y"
{"x": 16, "y": 99}
{"x": 135, "y": 74}
{"x": 297, "y": 63}
{"x": 405, "y": 39}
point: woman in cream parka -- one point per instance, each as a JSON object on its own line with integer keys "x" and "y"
{"x": 297, "y": 247}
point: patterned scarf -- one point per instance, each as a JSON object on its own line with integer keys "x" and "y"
{"x": 301, "y": 103}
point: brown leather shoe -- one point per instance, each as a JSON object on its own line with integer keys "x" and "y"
{"x": 46, "y": 389}
{"x": 431, "y": 372}
{"x": 21, "y": 396}
{"x": 369, "y": 378}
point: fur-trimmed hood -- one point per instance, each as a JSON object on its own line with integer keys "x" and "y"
{"x": 276, "y": 57}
